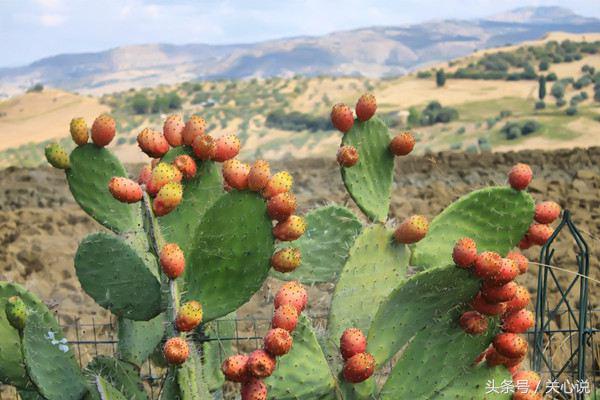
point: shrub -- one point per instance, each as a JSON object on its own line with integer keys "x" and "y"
{"x": 540, "y": 105}
{"x": 460, "y": 130}
{"x": 434, "y": 113}
{"x": 297, "y": 121}
{"x": 140, "y": 103}
{"x": 571, "y": 110}
{"x": 472, "y": 149}
{"x": 551, "y": 77}
{"x": 560, "y": 103}
{"x": 424, "y": 74}
{"x": 544, "y": 65}
{"x": 440, "y": 78}
{"x": 38, "y": 87}
{"x": 582, "y": 82}
{"x": 558, "y": 90}
{"x": 530, "y": 126}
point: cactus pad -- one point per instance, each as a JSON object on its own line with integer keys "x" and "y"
{"x": 121, "y": 375}
{"x": 189, "y": 377}
{"x": 117, "y": 278}
{"x": 369, "y": 182}
{"x": 330, "y": 234}
{"x": 231, "y": 253}
{"x": 216, "y": 350}
{"x": 12, "y": 368}
{"x": 473, "y": 385}
{"x": 138, "y": 339}
{"x": 105, "y": 391}
{"x": 91, "y": 170}
{"x": 30, "y": 395}
{"x": 496, "y": 218}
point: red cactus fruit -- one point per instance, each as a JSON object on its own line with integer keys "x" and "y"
{"x": 473, "y": 323}
{"x": 125, "y": 190}
{"x": 527, "y": 380}
{"x": 352, "y": 342}
{"x": 152, "y": 143}
{"x": 281, "y": 206}
{"x": 342, "y": 118}
{"x": 235, "y": 368}
{"x": 279, "y": 183}
{"x": 412, "y": 229}
{"x": 103, "y": 130}
{"x": 168, "y": 198}
{"x": 482, "y": 306}
{"x": 145, "y": 175}
{"x": 254, "y": 389}
{"x": 226, "y": 148}
{"x": 510, "y": 345}
{"x": 498, "y": 294}
{"x": 519, "y": 301}
{"x": 261, "y": 364}
{"x": 464, "y": 252}
{"x": 193, "y": 128}
{"x": 402, "y": 144}
{"x": 493, "y": 358}
{"x": 290, "y": 229}
{"x": 520, "y": 176}
{"x": 359, "y": 368}
{"x": 186, "y": 165}
{"x": 507, "y": 272}
{"x": 189, "y": 316}
{"x": 259, "y": 176}
{"x": 204, "y": 147}
{"x": 176, "y": 351}
{"x": 366, "y": 107}
{"x": 487, "y": 264}
{"x": 347, "y": 156}
{"x": 291, "y": 293}
{"x": 286, "y": 260}
{"x": 173, "y": 129}
{"x": 518, "y": 321}
{"x": 278, "y": 342}
{"x": 546, "y": 212}
{"x": 520, "y": 259}
{"x": 172, "y": 260}
{"x": 539, "y": 233}
{"x": 236, "y": 173}
{"x": 285, "y": 317}
{"x": 162, "y": 174}
{"x": 525, "y": 243}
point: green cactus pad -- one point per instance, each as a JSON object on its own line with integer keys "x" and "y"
{"x": 414, "y": 304}
{"x": 30, "y": 395}
{"x": 170, "y": 387}
{"x": 330, "y": 234}
{"x": 474, "y": 385}
{"x": 214, "y": 351}
{"x": 435, "y": 357}
{"x": 105, "y": 391}
{"x": 303, "y": 373}
{"x": 199, "y": 194}
{"x": 231, "y": 253}
{"x": 189, "y": 377}
{"x": 91, "y": 170}
{"x": 369, "y": 182}
{"x": 116, "y": 277}
{"x": 375, "y": 266}
{"x": 138, "y": 339}
{"x": 121, "y": 375}
{"x": 50, "y": 361}
{"x": 496, "y": 218}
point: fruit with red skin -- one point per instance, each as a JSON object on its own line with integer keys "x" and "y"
{"x": 487, "y": 264}
{"x": 510, "y": 345}
{"x": 226, "y": 148}
{"x": 520, "y": 259}
{"x": 402, "y": 144}
{"x": 366, "y": 107}
{"x": 194, "y": 127}
{"x": 204, "y": 147}
{"x": 279, "y": 183}
{"x": 145, "y": 175}
{"x": 173, "y": 129}
{"x": 518, "y": 321}
{"x": 519, "y": 301}
{"x": 412, "y": 229}
{"x": 352, "y": 342}
{"x": 286, "y": 260}
{"x": 79, "y": 131}
{"x": 473, "y": 323}
{"x": 235, "y": 368}
{"x": 261, "y": 364}
{"x": 285, "y": 317}
{"x": 527, "y": 396}
{"x": 167, "y": 199}
{"x": 290, "y": 229}
{"x": 481, "y": 356}
{"x": 347, "y": 156}
{"x": 493, "y": 358}
{"x": 278, "y": 342}
{"x": 172, "y": 260}
{"x": 162, "y": 174}
{"x": 464, "y": 252}
{"x": 539, "y": 233}
{"x": 507, "y": 272}
{"x": 189, "y": 316}
{"x": 281, "y": 206}
{"x": 259, "y": 176}
{"x": 341, "y": 117}
{"x": 359, "y": 368}
{"x": 254, "y": 389}
{"x": 546, "y": 212}
{"x": 529, "y": 380}
{"x": 291, "y": 293}
{"x": 125, "y": 190}
{"x": 480, "y": 305}
{"x": 152, "y": 143}
{"x": 236, "y": 173}
{"x": 524, "y": 243}
{"x": 176, "y": 351}
{"x": 520, "y": 176}
{"x": 498, "y": 294}
{"x": 186, "y": 165}
{"x": 103, "y": 130}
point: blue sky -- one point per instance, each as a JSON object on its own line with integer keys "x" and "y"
{"x": 32, "y": 29}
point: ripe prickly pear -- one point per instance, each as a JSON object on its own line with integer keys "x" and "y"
{"x": 286, "y": 260}
{"x": 172, "y": 130}
{"x": 402, "y": 144}
{"x": 236, "y": 173}
{"x": 162, "y": 174}
{"x": 507, "y": 272}
{"x": 546, "y": 212}
{"x": 290, "y": 229}
{"x": 103, "y": 130}
{"x": 285, "y": 317}
{"x": 125, "y": 190}
{"x": 279, "y": 183}
{"x": 520, "y": 176}
{"x": 519, "y": 301}
{"x": 520, "y": 259}
{"x": 530, "y": 395}
{"x": 152, "y": 143}
{"x": 539, "y": 233}
{"x": 482, "y": 306}
{"x": 347, "y": 156}
{"x": 16, "y": 312}
{"x": 193, "y": 128}
{"x": 487, "y": 264}
{"x": 464, "y": 252}
{"x": 510, "y": 345}
{"x": 352, "y": 342}
{"x": 226, "y": 148}
{"x": 204, "y": 147}
{"x": 189, "y": 316}
{"x": 278, "y": 342}
{"x": 498, "y": 294}
{"x": 176, "y": 351}
{"x": 168, "y": 198}
{"x": 79, "y": 131}
{"x": 366, "y": 107}
{"x": 254, "y": 389}
{"x": 57, "y": 156}
{"x": 342, "y": 118}
{"x": 412, "y": 229}
{"x": 530, "y": 379}
{"x": 493, "y": 358}
{"x": 235, "y": 368}
{"x": 359, "y": 368}
{"x": 525, "y": 243}
{"x": 259, "y": 176}
{"x": 473, "y": 323}
{"x": 145, "y": 175}
{"x": 518, "y": 321}
{"x": 280, "y": 207}
{"x": 291, "y": 293}
{"x": 261, "y": 364}
{"x": 186, "y": 165}
{"x": 172, "y": 260}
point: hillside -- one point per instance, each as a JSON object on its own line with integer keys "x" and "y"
{"x": 373, "y": 52}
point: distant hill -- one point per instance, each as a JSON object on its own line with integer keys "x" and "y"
{"x": 371, "y": 52}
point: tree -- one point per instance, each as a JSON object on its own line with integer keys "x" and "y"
{"x": 543, "y": 65}
{"x": 558, "y": 90}
{"x": 140, "y": 103}
{"x": 440, "y": 77}
{"x": 542, "y": 88}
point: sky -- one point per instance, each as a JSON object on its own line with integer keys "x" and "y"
{"x": 33, "y": 29}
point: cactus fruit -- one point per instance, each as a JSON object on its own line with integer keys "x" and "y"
{"x": 125, "y": 190}
{"x": 176, "y": 351}
{"x": 525, "y": 243}
{"x": 493, "y": 358}
{"x": 546, "y": 212}
{"x": 168, "y": 198}
{"x": 162, "y": 174}
{"x": 186, "y": 165}
{"x": 16, "y": 312}
{"x": 342, "y": 118}
{"x": 290, "y": 229}
{"x": 172, "y": 260}
{"x": 291, "y": 293}
{"x": 79, "y": 131}
{"x": 352, "y": 342}
{"x": 464, "y": 252}
{"x": 204, "y": 147}
{"x": 285, "y": 317}
{"x": 520, "y": 176}
{"x": 518, "y": 321}
{"x": 507, "y": 271}
{"x": 226, "y": 148}
{"x": 57, "y": 156}
{"x": 172, "y": 130}
{"x": 510, "y": 345}
{"x": 152, "y": 143}
{"x": 487, "y": 264}
{"x": 539, "y": 233}
{"x": 281, "y": 206}
{"x": 235, "y": 368}
{"x": 412, "y": 229}
{"x": 527, "y": 396}
{"x": 193, "y": 128}
{"x": 359, "y": 368}
{"x": 531, "y": 380}
{"x": 279, "y": 183}
{"x": 278, "y": 342}
{"x": 473, "y": 323}
{"x": 347, "y": 156}
{"x": 145, "y": 175}
{"x": 259, "y": 176}
{"x": 261, "y": 364}
{"x": 519, "y": 301}
{"x": 254, "y": 389}
{"x": 103, "y": 130}
{"x": 286, "y": 260}
{"x": 366, "y": 107}
{"x": 402, "y": 144}
{"x": 236, "y": 173}
{"x": 520, "y": 259}
{"x": 481, "y": 305}
{"x": 189, "y": 316}
{"x": 498, "y": 294}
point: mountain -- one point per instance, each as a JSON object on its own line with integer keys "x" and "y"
{"x": 373, "y": 52}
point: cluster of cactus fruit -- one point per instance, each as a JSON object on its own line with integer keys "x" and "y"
{"x": 192, "y": 244}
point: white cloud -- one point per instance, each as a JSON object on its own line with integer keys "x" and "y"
{"x": 49, "y": 3}
{"x": 52, "y": 20}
